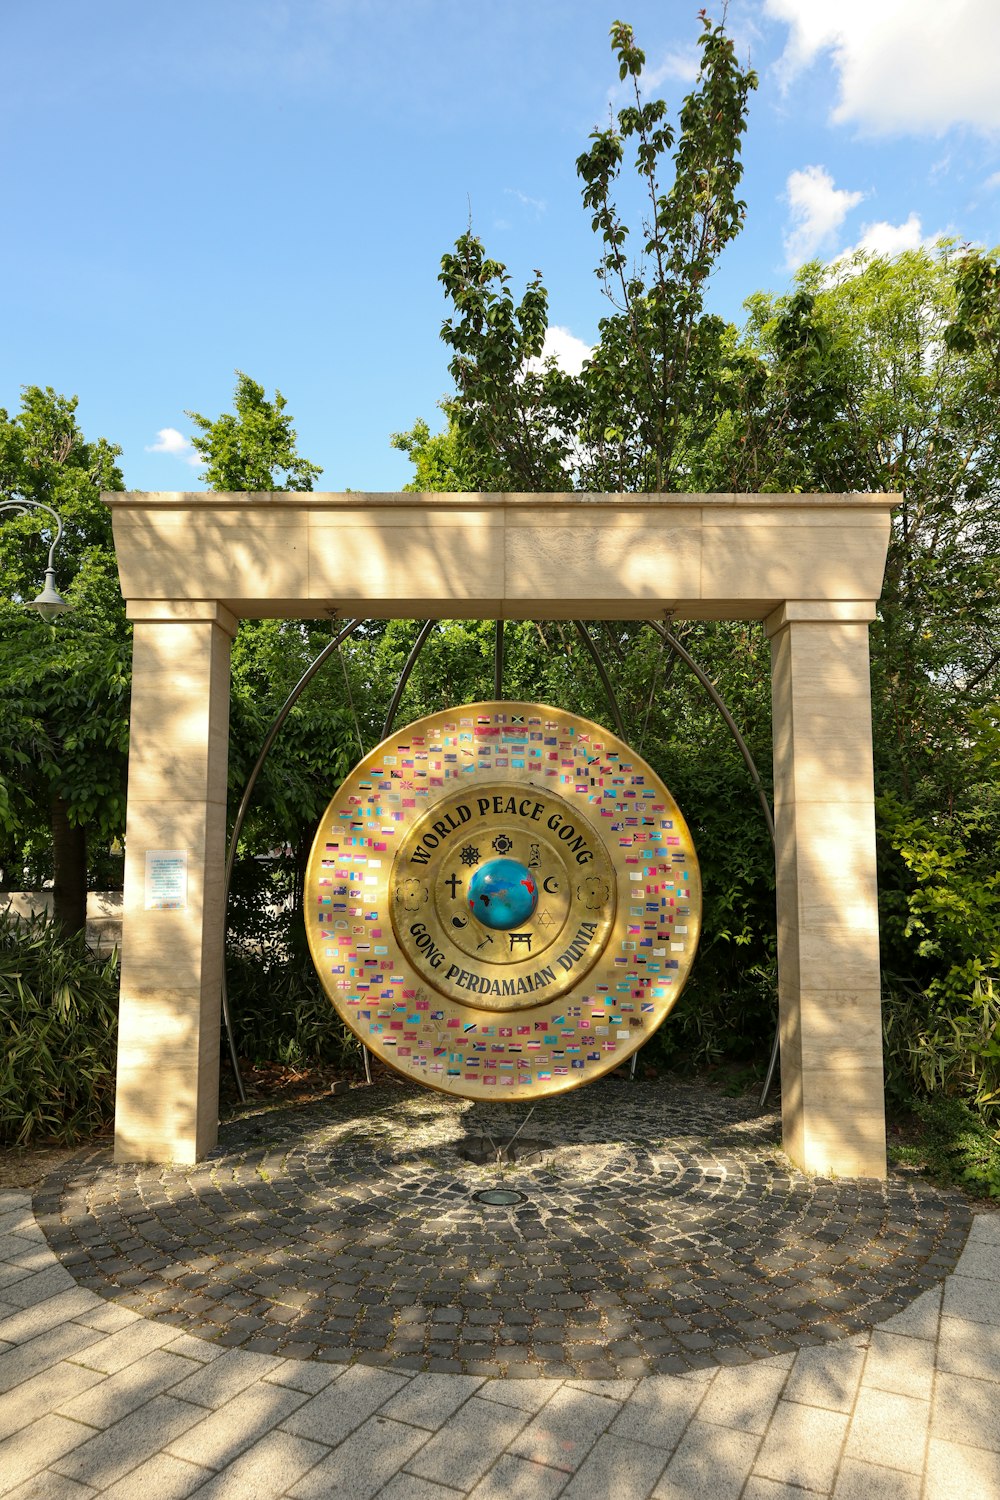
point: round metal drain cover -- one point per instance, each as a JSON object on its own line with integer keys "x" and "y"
{"x": 500, "y": 1197}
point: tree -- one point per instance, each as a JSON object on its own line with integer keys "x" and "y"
{"x": 254, "y": 448}
{"x": 63, "y": 687}
{"x": 527, "y": 425}
{"x": 249, "y": 449}
{"x": 881, "y": 375}
{"x": 627, "y": 423}
{"x": 867, "y": 375}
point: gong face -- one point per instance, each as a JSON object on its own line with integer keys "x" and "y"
{"x": 503, "y": 899}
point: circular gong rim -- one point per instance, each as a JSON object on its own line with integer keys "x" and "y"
{"x": 594, "y": 1010}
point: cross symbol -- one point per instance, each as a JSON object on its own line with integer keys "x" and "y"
{"x": 454, "y": 884}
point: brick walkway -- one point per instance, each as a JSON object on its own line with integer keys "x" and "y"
{"x": 661, "y": 1231}
{"x": 96, "y": 1398}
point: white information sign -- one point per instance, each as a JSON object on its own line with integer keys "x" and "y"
{"x": 166, "y": 879}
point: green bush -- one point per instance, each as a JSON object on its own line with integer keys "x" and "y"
{"x": 280, "y": 1012}
{"x": 955, "y": 1052}
{"x": 59, "y": 1020}
{"x": 956, "y": 1147}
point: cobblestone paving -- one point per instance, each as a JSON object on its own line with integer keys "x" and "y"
{"x": 661, "y": 1231}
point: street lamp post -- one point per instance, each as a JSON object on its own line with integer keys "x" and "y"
{"x": 49, "y": 602}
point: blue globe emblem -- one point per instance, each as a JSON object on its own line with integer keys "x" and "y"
{"x": 503, "y": 894}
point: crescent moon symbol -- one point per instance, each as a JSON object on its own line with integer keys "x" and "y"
{"x": 550, "y": 888}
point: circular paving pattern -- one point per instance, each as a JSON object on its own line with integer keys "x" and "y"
{"x": 661, "y": 1229}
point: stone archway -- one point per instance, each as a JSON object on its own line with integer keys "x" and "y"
{"x": 809, "y": 566}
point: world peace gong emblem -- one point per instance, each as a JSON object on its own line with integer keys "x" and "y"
{"x": 503, "y": 900}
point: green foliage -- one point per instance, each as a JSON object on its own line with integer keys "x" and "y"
{"x": 45, "y": 457}
{"x": 942, "y": 1013}
{"x": 524, "y": 424}
{"x": 517, "y": 422}
{"x": 438, "y": 459}
{"x": 956, "y": 1147}
{"x": 251, "y": 448}
{"x": 281, "y": 1014}
{"x": 64, "y": 712}
{"x": 58, "y": 1018}
{"x": 63, "y": 687}
{"x": 653, "y": 370}
{"x": 871, "y": 375}
{"x": 883, "y": 375}
{"x": 952, "y": 911}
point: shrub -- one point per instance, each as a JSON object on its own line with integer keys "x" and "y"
{"x": 59, "y": 1019}
{"x": 956, "y": 1146}
{"x": 280, "y": 1012}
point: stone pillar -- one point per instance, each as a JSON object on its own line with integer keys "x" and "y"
{"x": 168, "y": 1045}
{"x": 828, "y": 948}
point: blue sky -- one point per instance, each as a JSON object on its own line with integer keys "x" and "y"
{"x": 201, "y": 186}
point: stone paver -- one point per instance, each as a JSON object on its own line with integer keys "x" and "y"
{"x": 899, "y": 1364}
{"x": 26, "y": 1452}
{"x": 626, "y": 1469}
{"x": 363, "y": 1463}
{"x": 659, "y": 1410}
{"x": 889, "y": 1430}
{"x": 336, "y": 1411}
{"x": 743, "y": 1398}
{"x": 659, "y": 1223}
{"x": 97, "y": 1399}
{"x": 269, "y": 1469}
{"x": 50, "y": 1486}
{"x": 223, "y": 1434}
{"x": 20, "y": 1361}
{"x": 165, "y": 1477}
{"x": 460, "y": 1453}
{"x": 858, "y": 1480}
{"x": 511, "y": 1478}
{"x": 711, "y": 1462}
{"x": 957, "y": 1472}
{"x": 802, "y": 1446}
{"x": 966, "y": 1349}
{"x": 826, "y": 1377}
{"x": 966, "y": 1411}
{"x": 429, "y": 1400}
{"x": 565, "y": 1430}
{"x": 42, "y": 1394}
{"x": 108, "y": 1456}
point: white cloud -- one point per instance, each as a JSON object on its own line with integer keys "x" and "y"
{"x": 887, "y": 239}
{"x": 680, "y": 62}
{"x": 169, "y": 440}
{"x": 918, "y": 66}
{"x": 537, "y": 205}
{"x": 993, "y": 181}
{"x": 566, "y": 349}
{"x": 818, "y": 209}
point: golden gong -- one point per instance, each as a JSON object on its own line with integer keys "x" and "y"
{"x": 503, "y": 900}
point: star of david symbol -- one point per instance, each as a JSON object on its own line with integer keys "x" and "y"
{"x": 469, "y": 855}
{"x": 502, "y": 844}
{"x": 545, "y": 920}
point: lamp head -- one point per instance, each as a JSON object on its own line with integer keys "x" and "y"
{"x": 50, "y": 602}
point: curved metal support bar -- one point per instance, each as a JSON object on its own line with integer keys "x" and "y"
{"x": 751, "y": 766}
{"x": 498, "y": 661}
{"x": 602, "y": 672}
{"x": 404, "y": 676}
{"x": 24, "y": 506}
{"x": 719, "y": 701}
{"x": 241, "y": 812}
